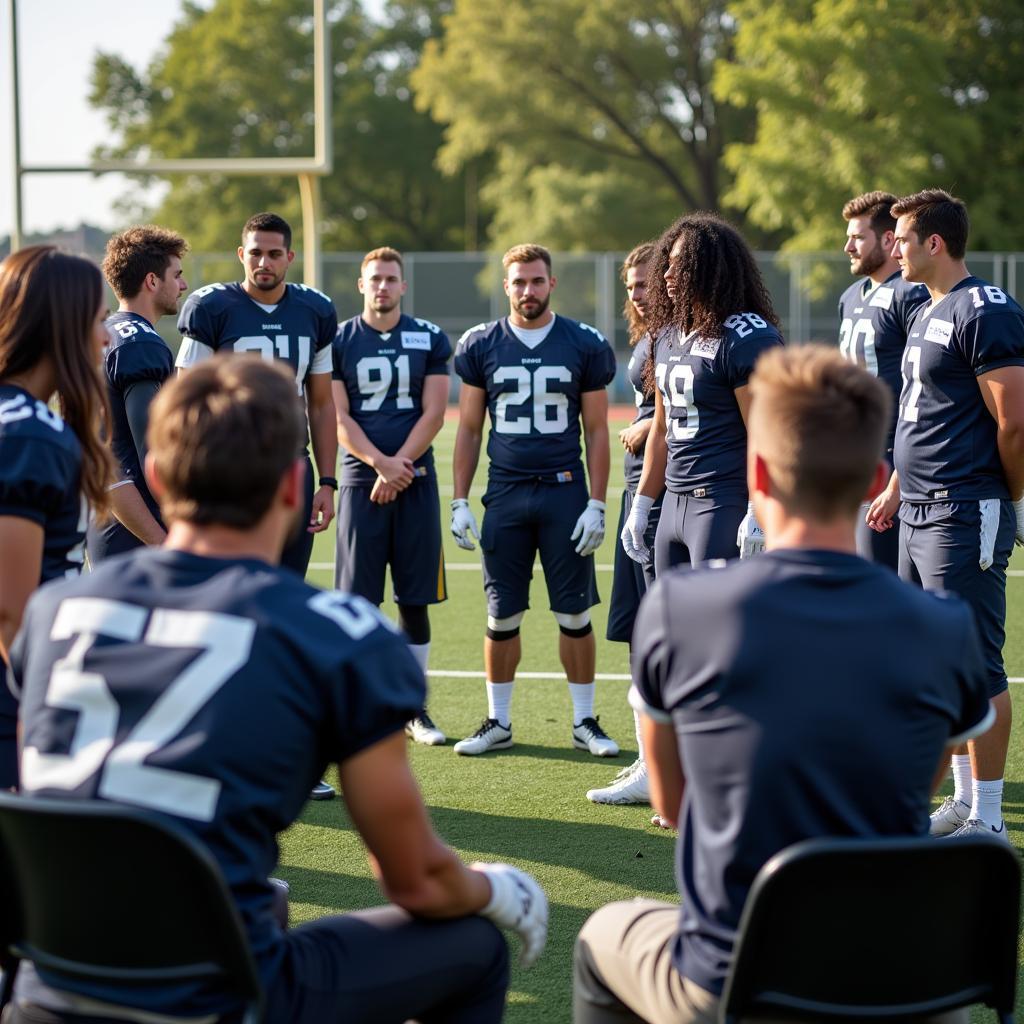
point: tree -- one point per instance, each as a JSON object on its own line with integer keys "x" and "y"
{"x": 236, "y": 80}
{"x": 598, "y": 115}
{"x": 854, "y": 95}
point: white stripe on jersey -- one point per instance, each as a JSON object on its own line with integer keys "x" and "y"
{"x": 192, "y": 353}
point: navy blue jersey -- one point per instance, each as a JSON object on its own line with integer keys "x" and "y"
{"x": 383, "y": 374}
{"x": 873, "y": 322}
{"x": 214, "y": 691}
{"x": 534, "y": 395}
{"x": 633, "y": 464}
{"x": 812, "y": 693}
{"x": 299, "y": 330}
{"x": 136, "y": 355}
{"x": 946, "y": 438}
{"x": 698, "y": 378}
{"x": 40, "y": 478}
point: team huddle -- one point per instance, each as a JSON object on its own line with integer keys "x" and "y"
{"x": 777, "y": 503}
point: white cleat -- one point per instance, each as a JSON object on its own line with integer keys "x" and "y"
{"x": 629, "y": 787}
{"x": 491, "y": 735}
{"x": 589, "y": 735}
{"x": 421, "y": 729}
{"x": 949, "y": 816}
{"x": 975, "y": 827}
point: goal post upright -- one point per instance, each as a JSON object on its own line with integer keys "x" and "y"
{"x": 308, "y": 170}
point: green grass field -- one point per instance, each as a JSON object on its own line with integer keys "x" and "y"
{"x": 527, "y": 805}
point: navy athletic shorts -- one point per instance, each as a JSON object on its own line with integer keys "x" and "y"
{"x": 695, "y": 528}
{"x": 941, "y": 544}
{"x": 299, "y": 548}
{"x": 881, "y": 548}
{"x": 111, "y": 539}
{"x": 630, "y": 579}
{"x": 405, "y": 534}
{"x": 522, "y": 519}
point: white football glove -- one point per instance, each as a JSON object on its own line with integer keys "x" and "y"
{"x": 589, "y": 528}
{"x": 463, "y": 523}
{"x": 519, "y": 903}
{"x": 750, "y": 536}
{"x": 635, "y": 527}
{"x": 1018, "y": 507}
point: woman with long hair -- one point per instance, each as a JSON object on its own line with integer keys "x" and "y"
{"x": 631, "y": 579}
{"x": 53, "y": 466}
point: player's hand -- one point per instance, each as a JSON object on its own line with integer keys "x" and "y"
{"x": 396, "y": 470}
{"x": 635, "y": 527}
{"x": 1018, "y": 508}
{"x": 750, "y": 536}
{"x": 589, "y": 528}
{"x": 381, "y": 493}
{"x": 882, "y": 513}
{"x": 517, "y": 902}
{"x": 323, "y": 509}
{"x": 464, "y": 522}
{"x": 634, "y": 437}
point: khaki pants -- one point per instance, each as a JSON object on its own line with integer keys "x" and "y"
{"x": 623, "y": 971}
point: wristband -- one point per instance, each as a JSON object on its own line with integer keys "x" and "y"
{"x": 329, "y": 481}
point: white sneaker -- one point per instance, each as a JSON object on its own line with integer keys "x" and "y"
{"x": 589, "y": 735}
{"x": 949, "y": 816}
{"x": 975, "y": 827}
{"x": 421, "y": 729}
{"x": 629, "y": 788}
{"x": 491, "y": 735}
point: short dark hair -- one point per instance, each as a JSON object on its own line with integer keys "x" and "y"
{"x": 819, "y": 422}
{"x": 933, "y": 211}
{"x": 141, "y": 250}
{"x": 526, "y": 253}
{"x": 268, "y": 222}
{"x": 222, "y": 436}
{"x": 876, "y": 206}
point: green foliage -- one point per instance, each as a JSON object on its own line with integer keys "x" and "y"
{"x": 237, "y": 80}
{"x": 599, "y": 114}
{"x": 854, "y": 95}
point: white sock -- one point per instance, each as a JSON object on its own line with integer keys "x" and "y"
{"x": 639, "y": 736}
{"x": 962, "y": 782}
{"x": 988, "y": 801}
{"x": 421, "y": 652}
{"x": 582, "y": 695}
{"x": 499, "y": 700}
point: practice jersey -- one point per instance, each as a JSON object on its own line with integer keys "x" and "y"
{"x": 873, "y": 322}
{"x": 946, "y": 446}
{"x": 298, "y": 331}
{"x": 800, "y": 684}
{"x": 534, "y": 394}
{"x": 633, "y": 464}
{"x": 212, "y": 691}
{"x": 383, "y": 374}
{"x": 136, "y": 356}
{"x": 698, "y": 378}
{"x": 41, "y": 479}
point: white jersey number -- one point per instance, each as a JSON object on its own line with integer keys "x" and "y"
{"x": 225, "y": 643}
{"x": 856, "y": 338}
{"x": 686, "y": 426}
{"x": 375, "y": 374}
{"x": 550, "y": 410}
{"x": 911, "y": 361}
{"x": 279, "y": 348}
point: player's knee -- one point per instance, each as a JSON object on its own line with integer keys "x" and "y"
{"x": 504, "y": 629}
{"x": 414, "y": 622}
{"x": 574, "y": 626}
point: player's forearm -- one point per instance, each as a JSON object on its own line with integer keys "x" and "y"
{"x": 324, "y": 437}
{"x": 664, "y": 768}
{"x": 133, "y": 514}
{"x": 464, "y": 462}
{"x": 444, "y": 887}
{"x": 598, "y": 461}
{"x": 1010, "y": 441}
{"x": 652, "y": 477}
{"x": 353, "y": 439}
{"x": 422, "y": 435}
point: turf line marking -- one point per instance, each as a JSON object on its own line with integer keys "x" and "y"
{"x": 461, "y": 674}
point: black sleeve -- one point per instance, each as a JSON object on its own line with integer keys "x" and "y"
{"x": 136, "y": 405}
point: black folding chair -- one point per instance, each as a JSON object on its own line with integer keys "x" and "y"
{"x": 854, "y": 929}
{"x": 107, "y": 893}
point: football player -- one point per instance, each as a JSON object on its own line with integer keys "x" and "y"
{"x": 52, "y": 467}
{"x": 213, "y": 688}
{"x": 959, "y": 467}
{"x": 537, "y": 375}
{"x": 712, "y": 318}
{"x": 631, "y": 579}
{"x": 873, "y": 317}
{"x": 390, "y": 393}
{"x": 143, "y": 268}
{"x": 801, "y": 694}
